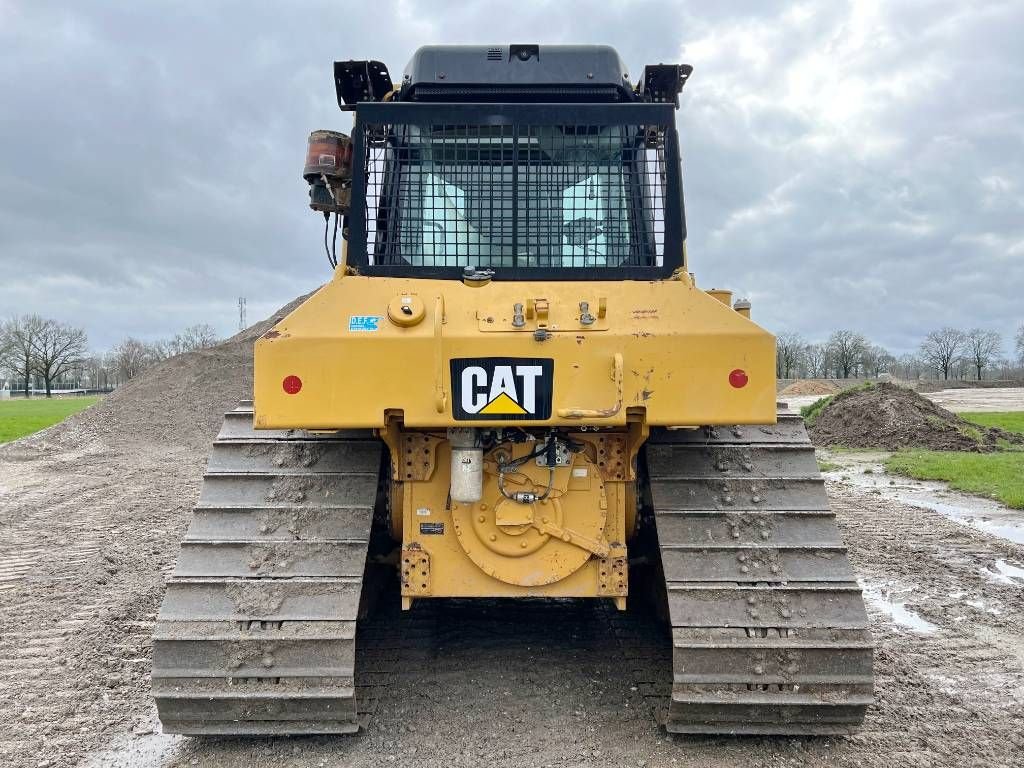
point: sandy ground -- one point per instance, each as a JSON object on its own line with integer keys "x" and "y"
{"x": 87, "y": 535}
{"x": 956, "y": 400}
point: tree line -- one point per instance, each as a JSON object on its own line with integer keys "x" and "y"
{"x": 946, "y": 353}
{"x": 38, "y": 353}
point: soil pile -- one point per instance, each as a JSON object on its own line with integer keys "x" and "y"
{"x": 893, "y": 417}
{"x": 178, "y": 401}
{"x": 806, "y": 387}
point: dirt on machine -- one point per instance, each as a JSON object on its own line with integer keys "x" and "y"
{"x": 511, "y": 388}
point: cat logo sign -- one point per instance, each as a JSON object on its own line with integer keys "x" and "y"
{"x": 501, "y": 388}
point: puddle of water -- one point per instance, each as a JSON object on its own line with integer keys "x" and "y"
{"x": 885, "y": 598}
{"x": 1010, "y": 571}
{"x": 866, "y": 471}
{"x": 980, "y": 605}
{"x": 1005, "y": 573}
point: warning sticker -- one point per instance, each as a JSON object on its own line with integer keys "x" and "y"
{"x": 431, "y": 529}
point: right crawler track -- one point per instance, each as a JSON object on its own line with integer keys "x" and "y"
{"x": 769, "y": 630}
{"x": 256, "y": 633}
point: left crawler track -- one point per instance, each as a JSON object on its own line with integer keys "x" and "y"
{"x": 256, "y": 633}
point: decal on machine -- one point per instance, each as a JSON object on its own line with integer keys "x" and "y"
{"x": 502, "y": 388}
{"x": 363, "y": 323}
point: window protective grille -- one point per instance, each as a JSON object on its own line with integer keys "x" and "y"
{"x": 557, "y": 196}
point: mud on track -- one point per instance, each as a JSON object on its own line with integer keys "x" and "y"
{"x": 87, "y": 534}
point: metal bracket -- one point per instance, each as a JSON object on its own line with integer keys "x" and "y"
{"x": 612, "y": 458}
{"x": 418, "y": 458}
{"x": 613, "y": 572}
{"x": 415, "y": 571}
{"x": 356, "y": 81}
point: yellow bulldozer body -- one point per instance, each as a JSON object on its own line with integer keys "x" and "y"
{"x": 397, "y": 355}
{"x": 511, "y": 387}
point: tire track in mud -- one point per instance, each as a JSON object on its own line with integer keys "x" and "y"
{"x": 87, "y": 537}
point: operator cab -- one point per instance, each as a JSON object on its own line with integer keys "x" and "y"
{"x": 529, "y": 161}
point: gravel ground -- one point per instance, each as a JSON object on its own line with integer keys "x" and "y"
{"x": 90, "y": 532}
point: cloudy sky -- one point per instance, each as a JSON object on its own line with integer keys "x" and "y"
{"x": 854, "y": 164}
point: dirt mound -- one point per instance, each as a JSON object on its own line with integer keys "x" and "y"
{"x": 893, "y": 417}
{"x": 179, "y": 401}
{"x": 807, "y": 387}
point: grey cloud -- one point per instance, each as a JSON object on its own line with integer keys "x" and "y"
{"x": 152, "y": 152}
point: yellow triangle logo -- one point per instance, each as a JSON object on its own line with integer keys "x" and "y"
{"x": 503, "y": 405}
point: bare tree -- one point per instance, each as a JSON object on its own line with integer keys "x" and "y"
{"x": 57, "y": 349}
{"x": 789, "y": 348}
{"x": 941, "y": 349}
{"x": 876, "y": 360}
{"x": 983, "y": 347}
{"x": 1020, "y": 344}
{"x": 200, "y": 336}
{"x": 846, "y": 349}
{"x": 18, "y": 337}
{"x": 130, "y": 357}
{"x": 907, "y": 366}
{"x": 816, "y": 360}
{"x": 97, "y": 370}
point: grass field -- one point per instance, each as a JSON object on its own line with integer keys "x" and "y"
{"x": 23, "y": 417}
{"x": 1011, "y": 421}
{"x": 996, "y": 475}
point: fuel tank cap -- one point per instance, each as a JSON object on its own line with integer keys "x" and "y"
{"x": 406, "y": 310}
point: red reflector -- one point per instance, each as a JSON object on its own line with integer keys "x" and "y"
{"x": 291, "y": 384}
{"x": 738, "y": 378}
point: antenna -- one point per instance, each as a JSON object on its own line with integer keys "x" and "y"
{"x": 241, "y": 313}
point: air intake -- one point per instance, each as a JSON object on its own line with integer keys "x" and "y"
{"x": 495, "y": 54}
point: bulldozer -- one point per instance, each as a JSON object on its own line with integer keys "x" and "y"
{"x": 513, "y": 380}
